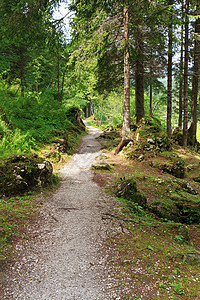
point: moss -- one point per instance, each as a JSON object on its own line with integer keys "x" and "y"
{"x": 177, "y": 136}
{"x": 11, "y": 182}
{"x": 170, "y": 163}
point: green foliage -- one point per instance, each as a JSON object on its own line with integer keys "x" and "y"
{"x": 16, "y": 143}
{"x": 34, "y": 119}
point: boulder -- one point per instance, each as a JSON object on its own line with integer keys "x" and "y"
{"x": 171, "y": 165}
{"x": 22, "y": 173}
{"x": 127, "y": 189}
{"x": 168, "y": 212}
{"x": 192, "y": 258}
{"x": 187, "y": 186}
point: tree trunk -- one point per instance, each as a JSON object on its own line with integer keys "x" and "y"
{"x": 169, "y": 77}
{"x": 139, "y": 75}
{"x": 126, "y": 111}
{"x": 22, "y": 69}
{"x": 185, "y": 92}
{"x": 139, "y": 90}
{"x": 180, "y": 118}
{"x": 193, "y": 126}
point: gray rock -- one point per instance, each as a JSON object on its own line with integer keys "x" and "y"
{"x": 165, "y": 212}
{"x": 177, "y": 170}
{"x": 148, "y": 148}
{"x": 127, "y": 189}
{"x": 187, "y": 186}
{"x": 151, "y": 141}
{"x": 192, "y": 258}
{"x": 141, "y": 157}
{"x": 158, "y": 180}
{"x": 23, "y": 173}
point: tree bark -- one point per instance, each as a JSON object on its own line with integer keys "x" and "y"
{"x": 126, "y": 111}
{"x": 180, "y": 118}
{"x": 193, "y": 126}
{"x": 169, "y": 77}
{"x": 185, "y": 92}
{"x": 139, "y": 76}
{"x": 139, "y": 90}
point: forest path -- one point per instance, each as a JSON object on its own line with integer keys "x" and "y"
{"x": 64, "y": 257}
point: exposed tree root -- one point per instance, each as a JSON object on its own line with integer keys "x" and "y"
{"x": 121, "y": 145}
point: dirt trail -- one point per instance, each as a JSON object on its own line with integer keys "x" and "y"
{"x": 64, "y": 259}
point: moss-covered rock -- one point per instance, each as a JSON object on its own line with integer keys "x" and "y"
{"x": 177, "y": 136}
{"x": 170, "y": 163}
{"x": 166, "y": 211}
{"x": 21, "y": 173}
{"x": 127, "y": 189}
{"x": 74, "y": 115}
{"x": 177, "y": 208}
{"x": 101, "y": 166}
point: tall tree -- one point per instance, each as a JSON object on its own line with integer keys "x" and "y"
{"x": 180, "y": 118}
{"x": 169, "y": 73}
{"x": 193, "y": 126}
{"x": 126, "y": 110}
{"x": 139, "y": 73}
{"x": 186, "y": 58}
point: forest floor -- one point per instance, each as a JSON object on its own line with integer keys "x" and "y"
{"x": 86, "y": 244}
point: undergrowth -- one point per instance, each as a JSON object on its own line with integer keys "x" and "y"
{"x": 152, "y": 256}
{"x": 28, "y": 122}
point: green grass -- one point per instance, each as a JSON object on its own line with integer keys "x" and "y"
{"x": 14, "y": 213}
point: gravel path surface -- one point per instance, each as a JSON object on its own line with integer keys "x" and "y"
{"x": 64, "y": 258}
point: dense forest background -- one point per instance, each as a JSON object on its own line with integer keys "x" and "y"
{"x": 124, "y": 59}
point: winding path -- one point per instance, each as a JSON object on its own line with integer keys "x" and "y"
{"x": 64, "y": 259}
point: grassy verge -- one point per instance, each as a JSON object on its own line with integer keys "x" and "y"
{"x": 15, "y": 212}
